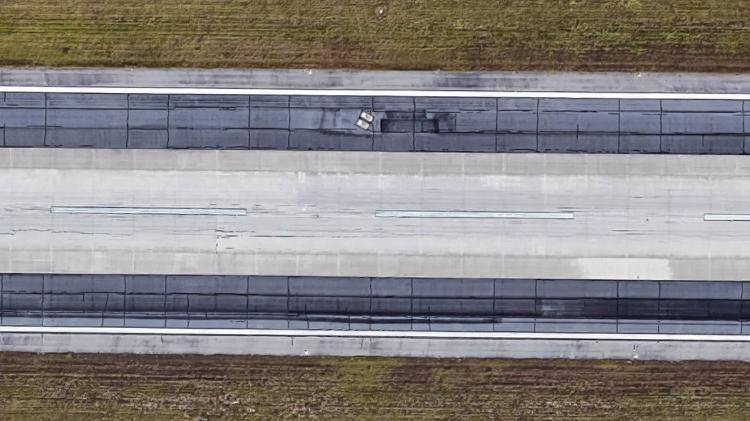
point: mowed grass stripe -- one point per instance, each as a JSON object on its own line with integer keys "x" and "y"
{"x": 701, "y": 35}
{"x": 126, "y": 387}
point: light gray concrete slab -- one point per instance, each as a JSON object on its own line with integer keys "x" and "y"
{"x": 426, "y": 302}
{"x": 730, "y": 145}
{"x": 443, "y": 325}
{"x": 269, "y": 118}
{"x": 452, "y": 306}
{"x": 276, "y": 78}
{"x": 19, "y": 283}
{"x": 218, "y": 324}
{"x": 269, "y": 139}
{"x": 22, "y": 301}
{"x": 695, "y": 106}
{"x": 208, "y": 118}
{"x": 702, "y": 290}
{"x": 701, "y": 327}
{"x": 405, "y": 123}
{"x": 640, "y": 143}
{"x": 146, "y": 322}
{"x": 701, "y": 123}
{"x": 513, "y": 121}
{"x": 21, "y": 117}
{"x": 83, "y": 302}
{"x": 148, "y": 119}
{"x": 317, "y": 286}
{"x": 27, "y": 137}
{"x": 576, "y": 122}
{"x": 565, "y": 288}
{"x": 452, "y": 288}
{"x": 23, "y": 100}
{"x": 340, "y": 139}
{"x": 638, "y": 326}
{"x": 464, "y": 142}
{"x": 144, "y": 284}
{"x": 324, "y": 119}
{"x": 92, "y": 321}
{"x": 86, "y": 137}
{"x": 393, "y": 142}
{"x": 643, "y": 289}
{"x": 196, "y": 138}
{"x": 576, "y": 326}
{"x": 476, "y": 121}
{"x": 578, "y": 142}
{"x": 87, "y": 101}
{"x": 331, "y": 103}
{"x": 515, "y": 288}
{"x": 586, "y": 308}
{"x": 207, "y": 284}
{"x": 148, "y": 102}
{"x": 515, "y": 307}
{"x": 147, "y": 139}
{"x": 395, "y": 104}
{"x": 145, "y": 302}
{"x": 267, "y": 304}
{"x": 268, "y": 285}
{"x": 454, "y": 105}
{"x": 329, "y": 305}
{"x": 313, "y": 214}
{"x": 517, "y": 142}
{"x": 309, "y": 346}
{"x": 268, "y": 324}
{"x": 514, "y": 325}
{"x": 84, "y": 283}
{"x": 388, "y": 306}
{"x": 640, "y": 122}
{"x": 228, "y": 103}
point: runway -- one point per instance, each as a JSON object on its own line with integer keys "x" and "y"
{"x": 416, "y": 317}
{"x": 422, "y": 120}
{"x": 392, "y": 306}
{"x": 315, "y": 214}
{"x": 119, "y": 178}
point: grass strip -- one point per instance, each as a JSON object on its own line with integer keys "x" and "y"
{"x": 627, "y": 35}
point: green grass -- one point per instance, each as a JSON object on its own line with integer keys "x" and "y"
{"x": 124, "y": 387}
{"x": 699, "y": 35}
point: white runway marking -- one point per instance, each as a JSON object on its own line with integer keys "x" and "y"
{"x": 373, "y": 334}
{"x": 373, "y": 92}
{"x": 729, "y": 217}
{"x": 472, "y": 214}
{"x": 96, "y": 210}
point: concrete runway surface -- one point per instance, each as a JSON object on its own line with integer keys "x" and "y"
{"x": 706, "y": 83}
{"x": 314, "y": 214}
{"x": 403, "y": 120}
{"x": 375, "y": 304}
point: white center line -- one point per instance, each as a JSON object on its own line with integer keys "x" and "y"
{"x": 730, "y": 217}
{"x": 472, "y": 214}
{"x": 98, "y": 210}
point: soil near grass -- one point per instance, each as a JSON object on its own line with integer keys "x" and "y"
{"x": 81, "y": 387}
{"x": 626, "y": 35}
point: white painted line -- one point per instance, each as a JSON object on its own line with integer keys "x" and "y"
{"x": 372, "y": 334}
{"x": 472, "y": 214}
{"x": 96, "y": 210}
{"x": 372, "y": 92}
{"x": 726, "y": 217}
